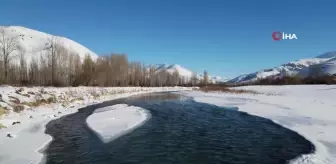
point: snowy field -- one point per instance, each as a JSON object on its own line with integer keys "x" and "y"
{"x": 22, "y": 136}
{"x": 308, "y": 110}
{"x": 113, "y": 121}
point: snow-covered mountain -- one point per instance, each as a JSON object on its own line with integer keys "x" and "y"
{"x": 185, "y": 73}
{"x": 33, "y": 43}
{"x": 324, "y": 64}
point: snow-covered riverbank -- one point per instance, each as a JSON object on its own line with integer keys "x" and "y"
{"x": 22, "y": 136}
{"x": 309, "y": 110}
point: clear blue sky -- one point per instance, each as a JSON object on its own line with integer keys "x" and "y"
{"x": 227, "y": 38}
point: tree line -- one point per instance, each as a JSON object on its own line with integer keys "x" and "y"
{"x": 60, "y": 66}
{"x": 296, "y": 80}
{"x": 315, "y": 76}
{"x": 290, "y": 80}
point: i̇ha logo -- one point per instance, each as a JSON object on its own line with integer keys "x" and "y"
{"x": 283, "y": 36}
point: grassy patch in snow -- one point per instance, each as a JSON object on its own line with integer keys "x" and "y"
{"x": 36, "y": 103}
{"x": 2, "y": 110}
{"x": 77, "y": 99}
{"x": 40, "y": 102}
{"x": 2, "y": 126}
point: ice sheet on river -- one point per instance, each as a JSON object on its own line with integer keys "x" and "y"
{"x": 113, "y": 121}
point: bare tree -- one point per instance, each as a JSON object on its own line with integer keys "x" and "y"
{"x": 44, "y": 70}
{"x": 52, "y": 56}
{"x": 144, "y": 73}
{"x": 23, "y": 70}
{"x": 34, "y": 72}
{"x": 194, "y": 79}
{"x": 8, "y": 44}
{"x": 205, "y": 78}
{"x": 151, "y": 76}
{"x": 75, "y": 69}
{"x": 88, "y": 70}
{"x": 1, "y": 68}
{"x": 176, "y": 78}
{"x": 102, "y": 71}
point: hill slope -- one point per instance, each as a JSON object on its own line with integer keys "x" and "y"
{"x": 33, "y": 43}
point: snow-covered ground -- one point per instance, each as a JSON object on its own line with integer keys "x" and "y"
{"x": 23, "y": 136}
{"x": 113, "y": 121}
{"x": 309, "y": 110}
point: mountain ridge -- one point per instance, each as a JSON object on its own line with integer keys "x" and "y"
{"x": 185, "y": 73}
{"x": 324, "y": 64}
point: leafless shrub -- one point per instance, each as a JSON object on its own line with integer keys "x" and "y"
{"x": 51, "y": 99}
{"x": 14, "y": 99}
{"x": 18, "y": 108}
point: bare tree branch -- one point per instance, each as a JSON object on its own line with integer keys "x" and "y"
{"x": 8, "y": 44}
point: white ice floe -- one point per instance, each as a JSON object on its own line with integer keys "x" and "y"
{"x": 27, "y": 137}
{"x": 309, "y": 110}
{"x": 113, "y": 121}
